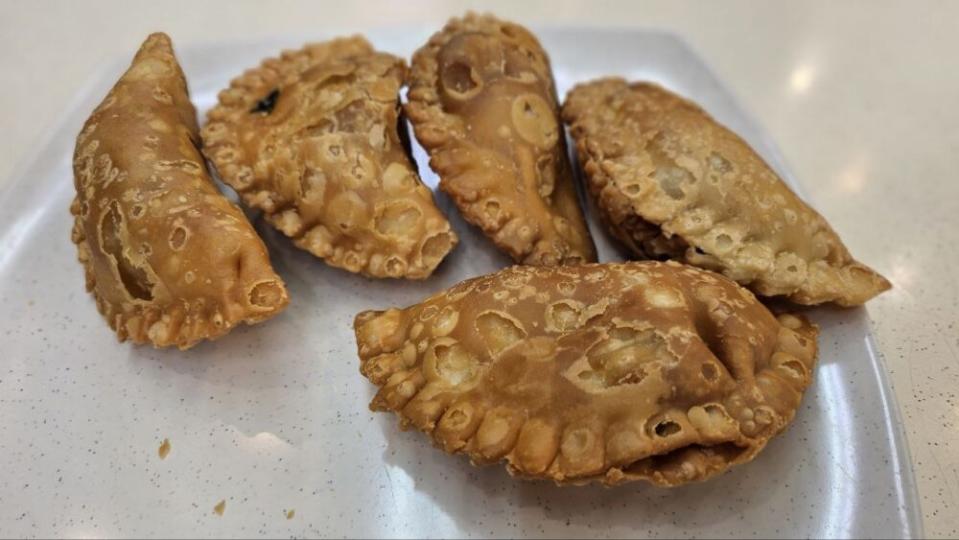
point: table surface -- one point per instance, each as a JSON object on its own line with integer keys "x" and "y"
{"x": 859, "y": 96}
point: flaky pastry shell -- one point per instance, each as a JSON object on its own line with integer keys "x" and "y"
{"x": 605, "y": 372}
{"x": 482, "y": 102}
{"x": 671, "y": 182}
{"x": 313, "y": 138}
{"x": 168, "y": 258}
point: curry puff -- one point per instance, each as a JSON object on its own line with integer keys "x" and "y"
{"x": 313, "y": 138}
{"x": 168, "y": 258}
{"x": 671, "y": 182}
{"x": 483, "y": 103}
{"x": 610, "y": 373}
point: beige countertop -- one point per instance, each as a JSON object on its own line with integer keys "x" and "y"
{"x": 860, "y": 97}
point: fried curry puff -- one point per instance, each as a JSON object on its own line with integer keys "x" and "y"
{"x": 313, "y": 138}
{"x": 168, "y": 258}
{"x": 483, "y": 103}
{"x": 671, "y": 182}
{"x": 610, "y": 373}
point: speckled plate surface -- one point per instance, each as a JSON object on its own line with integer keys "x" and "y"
{"x": 274, "y": 418}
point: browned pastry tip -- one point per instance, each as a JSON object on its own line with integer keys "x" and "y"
{"x": 671, "y": 182}
{"x": 312, "y": 139}
{"x": 605, "y": 372}
{"x": 168, "y": 258}
{"x": 483, "y": 103}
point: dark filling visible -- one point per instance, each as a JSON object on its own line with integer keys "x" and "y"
{"x": 266, "y": 104}
{"x": 670, "y": 464}
{"x": 649, "y": 240}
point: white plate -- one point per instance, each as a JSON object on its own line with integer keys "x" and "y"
{"x": 274, "y": 417}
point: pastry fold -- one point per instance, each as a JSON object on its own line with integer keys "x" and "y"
{"x": 313, "y": 138}
{"x": 604, "y": 372}
{"x": 168, "y": 258}
{"x": 671, "y": 182}
{"x": 482, "y": 102}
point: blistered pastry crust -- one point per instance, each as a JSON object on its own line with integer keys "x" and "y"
{"x": 483, "y": 103}
{"x": 312, "y": 139}
{"x": 671, "y": 182}
{"x": 606, "y": 372}
{"x": 169, "y": 260}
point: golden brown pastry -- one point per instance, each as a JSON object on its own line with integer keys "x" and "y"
{"x": 611, "y": 372}
{"x": 670, "y": 182}
{"x": 169, "y": 260}
{"x": 312, "y": 138}
{"x": 483, "y": 104}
